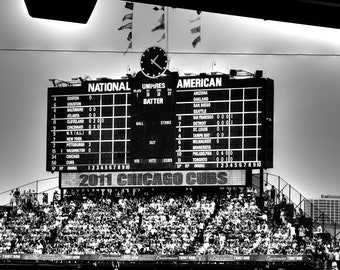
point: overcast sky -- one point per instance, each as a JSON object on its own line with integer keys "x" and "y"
{"x": 302, "y": 60}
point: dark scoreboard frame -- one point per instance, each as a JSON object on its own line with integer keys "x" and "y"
{"x": 206, "y": 122}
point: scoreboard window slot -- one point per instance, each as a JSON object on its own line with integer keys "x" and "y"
{"x": 250, "y": 155}
{"x": 250, "y": 118}
{"x": 107, "y": 99}
{"x": 119, "y": 134}
{"x": 250, "y": 106}
{"x": 107, "y": 111}
{"x": 119, "y": 123}
{"x": 120, "y": 111}
{"x": 220, "y": 143}
{"x": 119, "y": 157}
{"x": 106, "y": 123}
{"x": 106, "y": 158}
{"x": 250, "y": 130}
{"x": 121, "y": 99}
{"x": 106, "y": 146}
{"x": 236, "y": 131}
{"x": 237, "y": 118}
{"x": 93, "y": 147}
{"x": 90, "y": 159}
{"x": 237, "y": 155}
{"x": 250, "y": 143}
{"x": 236, "y": 106}
{"x": 236, "y": 94}
{"x": 236, "y": 143}
{"x": 106, "y": 134}
{"x": 119, "y": 146}
{"x": 250, "y": 93}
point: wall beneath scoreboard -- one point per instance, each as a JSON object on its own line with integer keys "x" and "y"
{"x": 153, "y": 179}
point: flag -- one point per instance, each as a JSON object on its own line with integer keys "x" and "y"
{"x": 129, "y": 37}
{"x": 128, "y": 16}
{"x": 161, "y": 18}
{"x": 129, "y": 5}
{"x": 129, "y": 47}
{"x": 197, "y": 29}
{"x": 161, "y": 23}
{"x": 126, "y": 26}
{"x": 196, "y": 40}
{"x": 159, "y": 27}
{"x": 162, "y": 37}
{"x": 158, "y": 8}
{"x": 194, "y": 20}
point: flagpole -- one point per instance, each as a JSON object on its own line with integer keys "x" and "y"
{"x": 167, "y": 29}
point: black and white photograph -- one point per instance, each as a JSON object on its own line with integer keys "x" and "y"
{"x": 170, "y": 134}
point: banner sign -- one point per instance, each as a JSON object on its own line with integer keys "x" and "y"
{"x": 153, "y": 179}
{"x": 155, "y": 258}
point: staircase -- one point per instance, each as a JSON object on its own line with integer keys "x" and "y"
{"x": 294, "y": 197}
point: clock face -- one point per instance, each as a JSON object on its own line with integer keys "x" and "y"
{"x": 154, "y": 62}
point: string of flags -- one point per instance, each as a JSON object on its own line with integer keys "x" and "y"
{"x": 128, "y": 25}
{"x": 196, "y": 29}
{"x": 161, "y": 22}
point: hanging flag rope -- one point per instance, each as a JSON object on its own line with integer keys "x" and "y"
{"x": 128, "y": 17}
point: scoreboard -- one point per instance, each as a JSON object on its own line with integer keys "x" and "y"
{"x": 201, "y": 122}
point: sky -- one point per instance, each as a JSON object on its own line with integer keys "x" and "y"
{"x": 302, "y": 60}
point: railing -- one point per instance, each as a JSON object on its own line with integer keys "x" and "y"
{"x": 294, "y": 197}
{"x": 37, "y": 187}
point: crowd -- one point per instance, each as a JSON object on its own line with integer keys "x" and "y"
{"x": 156, "y": 222}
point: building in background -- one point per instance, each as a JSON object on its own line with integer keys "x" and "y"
{"x": 326, "y": 211}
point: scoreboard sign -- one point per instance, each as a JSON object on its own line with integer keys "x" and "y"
{"x": 170, "y": 123}
{"x": 153, "y": 179}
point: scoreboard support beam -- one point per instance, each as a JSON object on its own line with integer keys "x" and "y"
{"x": 261, "y": 182}
{"x": 249, "y": 178}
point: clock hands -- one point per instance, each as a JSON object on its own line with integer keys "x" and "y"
{"x": 153, "y": 61}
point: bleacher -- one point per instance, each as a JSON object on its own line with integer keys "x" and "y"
{"x": 141, "y": 226}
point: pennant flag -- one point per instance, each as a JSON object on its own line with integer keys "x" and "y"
{"x": 126, "y": 26}
{"x": 128, "y": 17}
{"x": 129, "y": 37}
{"x": 129, "y": 5}
{"x": 161, "y": 18}
{"x": 158, "y": 8}
{"x": 129, "y": 47}
{"x": 197, "y": 29}
{"x": 194, "y": 20}
{"x": 161, "y": 21}
{"x": 196, "y": 40}
{"x": 159, "y": 27}
{"x": 162, "y": 37}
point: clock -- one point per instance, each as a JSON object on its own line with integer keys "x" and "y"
{"x": 154, "y": 62}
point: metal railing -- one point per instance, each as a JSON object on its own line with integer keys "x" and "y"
{"x": 37, "y": 187}
{"x": 296, "y": 198}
